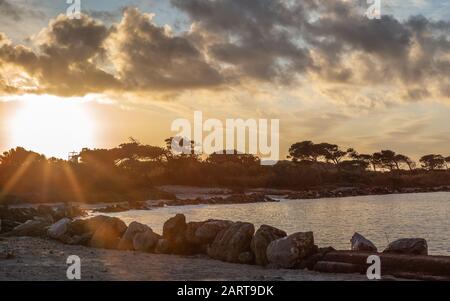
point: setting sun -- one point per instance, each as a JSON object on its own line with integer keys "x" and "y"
{"x": 51, "y": 126}
{"x": 224, "y": 140}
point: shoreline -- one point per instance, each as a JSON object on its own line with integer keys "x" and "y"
{"x": 262, "y": 195}
{"x": 37, "y": 259}
{"x": 103, "y": 242}
{"x": 190, "y": 195}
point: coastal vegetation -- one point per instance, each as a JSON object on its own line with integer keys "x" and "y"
{"x": 132, "y": 171}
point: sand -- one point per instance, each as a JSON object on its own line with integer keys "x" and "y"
{"x": 39, "y": 259}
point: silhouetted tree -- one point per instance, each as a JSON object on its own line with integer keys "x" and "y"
{"x": 304, "y": 151}
{"x": 368, "y": 159}
{"x": 432, "y": 162}
{"x": 331, "y": 152}
{"x": 399, "y": 159}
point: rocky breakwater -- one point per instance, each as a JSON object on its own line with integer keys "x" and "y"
{"x": 238, "y": 242}
{"x": 32, "y": 221}
{"x": 231, "y": 199}
{"x": 359, "y": 191}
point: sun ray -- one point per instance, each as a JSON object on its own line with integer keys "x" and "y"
{"x": 75, "y": 185}
{"x": 9, "y": 185}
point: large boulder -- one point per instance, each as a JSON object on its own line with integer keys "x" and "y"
{"x": 83, "y": 239}
{"x": 361, "y": 244}
{"x": 246, "y": 258}
{"x": 191, "y": 229}
{"x": 263, "y": 237}
{"x": 288, "y": 252}
{"x": 59, "y": 229}
{"x": 208, "y": 231}
{"x": 90, "y": 225}
{"x": 174, "y": 233}
{"x": 174, "y": 226}
{"x": 145, "y": 241}
{"x": 126, "y": 242}
{"x": 163, "y": 247}
{"x": 31, "y": 228}
{"x": 108, "y": 234}
{"x": 413, "y": 246}
{"x": 231, "y": 242}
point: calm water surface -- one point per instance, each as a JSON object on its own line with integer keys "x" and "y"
{"x": 333, "y": 221}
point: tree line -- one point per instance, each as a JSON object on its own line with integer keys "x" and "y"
{"x": 350, "y": 158}
{"x": 132, "y": 170}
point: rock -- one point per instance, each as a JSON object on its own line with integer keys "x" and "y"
{"x": 126, "y": 242}
{"x": 263, "y": 237}
{"x": 191, "y": 229}
{"x": 287, "y": 252}
{"x": 162, "y": 247}
{"x": 69, "y": 211}
{"x": 415, "y": 246}
{"x": 137, "y": 205}
{"x": 113, "y": 208}
{"x": 174, "y": 231}
{"x": 362, "y": 244}
{"x": 108, "y": 234}
{"x": 208, "y": 231}
{"x": 30, "y": 228}
{"x": 174, "y": 226}
{"x": 310, "y": 261}
{"x": 82, "y": 240}
{"x": 146, "y": 241}
{"x": 58, "y": 229}
{"x": 44, "y": 210}
{"x": 82, "y": 226}
{"x": 20, "y": 215}
{"x": 246, "y": 258}
{"x": 8, "y": 225}
{"x": 231, "y": 242}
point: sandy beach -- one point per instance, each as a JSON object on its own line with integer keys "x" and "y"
{"x": 39, "y": 259}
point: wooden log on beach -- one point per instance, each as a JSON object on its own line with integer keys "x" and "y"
{"x": 395, "y": 263}
{"x": 338, "y": 267}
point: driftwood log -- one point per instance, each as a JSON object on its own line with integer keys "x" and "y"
{"x": 405, "y": 266}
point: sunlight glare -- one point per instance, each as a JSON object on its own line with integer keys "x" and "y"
{"x": 51, "y": 125}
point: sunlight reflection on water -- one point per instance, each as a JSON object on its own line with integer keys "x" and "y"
{"x": 379, "y": 218}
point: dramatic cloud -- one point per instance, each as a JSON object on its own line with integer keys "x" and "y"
{"x": 328, "y": 46}
{"x": 330, "y": 42}
{"x": 68, "y": 60}
{"x": 257, "y": 38}
{"x": 149, "y": 57}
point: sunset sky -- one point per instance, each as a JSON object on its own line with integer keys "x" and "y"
{"x": 129, "y": 68}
